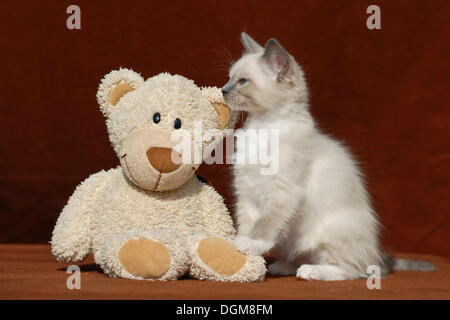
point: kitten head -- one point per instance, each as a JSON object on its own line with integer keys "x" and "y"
{"x": 264, "y": 79}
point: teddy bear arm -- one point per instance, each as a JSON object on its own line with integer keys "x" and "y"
{"x": 216, "y": 217}
{"x": 71, "y": 240}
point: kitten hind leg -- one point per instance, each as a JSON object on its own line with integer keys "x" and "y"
{"x": 282, "y": 268}
{"x": 321, "y": 272}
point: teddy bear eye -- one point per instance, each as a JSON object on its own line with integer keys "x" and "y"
{"x": 177, "y": 123}
{"x": 156, "y": 118}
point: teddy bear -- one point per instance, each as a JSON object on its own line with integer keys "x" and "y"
{"x": 151, "y": 217}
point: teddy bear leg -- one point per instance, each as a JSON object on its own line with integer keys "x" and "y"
{"x": 142, "y": 254}
{"x": 217, "y": 259}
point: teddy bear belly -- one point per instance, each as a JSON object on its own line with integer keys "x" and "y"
{"x": 122, "y": 207}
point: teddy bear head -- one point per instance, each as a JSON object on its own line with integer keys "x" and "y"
{"x": 148, "y": 120}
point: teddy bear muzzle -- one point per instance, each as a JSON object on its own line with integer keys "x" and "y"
{"x": 150, "y": 160}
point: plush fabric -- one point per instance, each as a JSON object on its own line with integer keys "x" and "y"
{"x": 145, "y": 258}
{"x": 25, "y": 268}
{"x": 151, "y": 218}
{"x": 221, "y": 255}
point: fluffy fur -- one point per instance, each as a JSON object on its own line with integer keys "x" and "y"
{"x": 113, "y": 207}
{"x": 315, "y": 213}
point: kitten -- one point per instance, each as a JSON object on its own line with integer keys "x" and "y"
{"x": 315, "y": 213}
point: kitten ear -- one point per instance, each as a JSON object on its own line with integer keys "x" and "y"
{"x": 250, "y": 45}
{"x": 276, "y": 58}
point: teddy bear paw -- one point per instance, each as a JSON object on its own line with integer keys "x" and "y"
{"x": 220, "y": 256}
{"x": 145, "y": 258}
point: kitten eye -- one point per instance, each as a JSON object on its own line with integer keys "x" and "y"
{"x": 156, "y": 118}
{"x": 242, "y": 81}
{"x": 177, "y": 123}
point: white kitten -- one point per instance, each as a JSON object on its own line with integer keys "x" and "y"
{"x": 315, "y": 213}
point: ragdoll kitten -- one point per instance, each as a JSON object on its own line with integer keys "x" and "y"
{"x": 314, "y": 213}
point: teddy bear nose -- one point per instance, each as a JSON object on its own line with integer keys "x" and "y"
{"x": 161, "y": 159}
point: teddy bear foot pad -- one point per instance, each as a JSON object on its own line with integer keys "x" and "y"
{"x": 220, "y": 256}
{"x": 145, "y": 258}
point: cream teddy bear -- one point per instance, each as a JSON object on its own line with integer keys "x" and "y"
{"x": 151, "y": 218}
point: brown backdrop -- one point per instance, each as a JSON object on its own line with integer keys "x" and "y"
{"x": 385, "y": 92}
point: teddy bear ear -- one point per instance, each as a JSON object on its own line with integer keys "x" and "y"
{"x": 227, "y": 118}
{"x": 114, "y": 86}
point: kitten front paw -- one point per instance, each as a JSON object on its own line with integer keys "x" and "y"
{"x": 251, "y": 247}
{"x": 308, "y": 272}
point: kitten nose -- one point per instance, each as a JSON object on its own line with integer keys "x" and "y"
{"x": 161, "y": 159}
{"x": 224, "y": 91}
